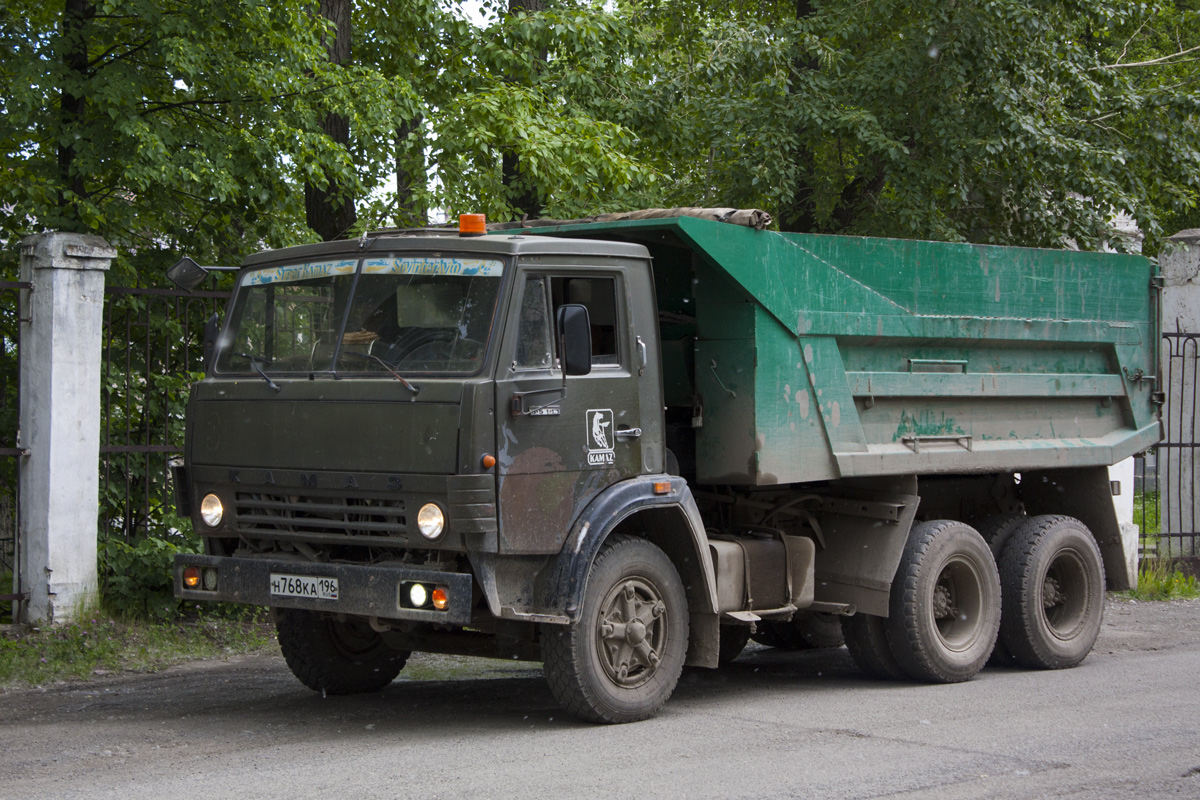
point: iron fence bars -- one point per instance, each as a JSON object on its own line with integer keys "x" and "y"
{"x": 152, "y": 351}
{"x": 13, "y": 310}
{"x": 1176, "y": 457}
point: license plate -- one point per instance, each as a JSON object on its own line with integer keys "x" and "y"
{"x": 304, "y": 586}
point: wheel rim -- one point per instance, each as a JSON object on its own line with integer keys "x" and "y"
{"x": 1063, "y": 594}
{"x": 957, "y": 606}
{"x": 631, "y": 631}
{"x": 353, "y": 638}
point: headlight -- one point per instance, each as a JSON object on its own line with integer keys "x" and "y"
{"x": 431, "y": 521}
{"x": 211, "y": 510}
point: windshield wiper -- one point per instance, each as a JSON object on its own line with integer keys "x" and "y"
{"x": 388, "y": 367}
{"x": 254, "y": 363}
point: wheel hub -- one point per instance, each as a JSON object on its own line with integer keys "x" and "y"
{"x": 943, "y": 602}
{"x": 631, "y": 632}
{"x": 1052, "y": 595}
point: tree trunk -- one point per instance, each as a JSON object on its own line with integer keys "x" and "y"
{"x": 799, "y": 214}
{"x": 527, "y": 199}
{"x": 330, "y": 211}
{"x": 72, "y": 107}
{"x": 410, "y": 174}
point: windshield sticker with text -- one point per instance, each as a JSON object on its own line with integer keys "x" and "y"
{"x": 301, "y": 272}
{"x": 467, "y": 267}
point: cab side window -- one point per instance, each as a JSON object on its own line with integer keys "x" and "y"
{"x": 599, "y": 296}
{"x": 534, "y": 340}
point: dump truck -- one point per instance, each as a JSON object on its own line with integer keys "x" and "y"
{"x": 632, "y": 443}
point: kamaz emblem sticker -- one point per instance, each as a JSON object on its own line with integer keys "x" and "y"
{"x": 600, "y": 437}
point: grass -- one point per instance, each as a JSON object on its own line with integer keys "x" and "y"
{"x": 1161, "y": 579}
{"x": 1146, "y": 517}
{"x": 99, "y": 644}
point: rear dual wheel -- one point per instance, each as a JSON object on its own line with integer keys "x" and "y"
{"x": 996, "y": 531}
{"x": 1053, "y": 579}
{"x": 866, "y": 639}
{"x": 945, "y": 603}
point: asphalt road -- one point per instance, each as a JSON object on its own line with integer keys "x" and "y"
{"x": 1125, "y": 724}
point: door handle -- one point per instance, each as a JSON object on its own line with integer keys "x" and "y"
{"x": 629, "y": 433}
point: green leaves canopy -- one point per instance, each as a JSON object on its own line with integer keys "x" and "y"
{"x": 1003, "y": 121}
{"x": 199, "y": 121}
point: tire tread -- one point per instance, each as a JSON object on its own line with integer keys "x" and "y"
{"x": 562, "y": 647}
{"x": 304, "y": 642}
{"x": 904, "y": 626}
{"x": 1018, "y": 565}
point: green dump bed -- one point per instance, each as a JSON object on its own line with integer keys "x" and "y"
{"x": 800, "y": 357}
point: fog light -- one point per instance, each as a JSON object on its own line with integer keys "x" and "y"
{"x": 211, "y": 510}
{"x": 210, "y": 579}
{"x": 418, "y": 595}
{"x": 440, "y": 600}
{"x": 431, "y": 521}
{"x": 191, "y": 577}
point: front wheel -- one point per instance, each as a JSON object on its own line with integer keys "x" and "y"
{"x": 621, "y": 660}
{"x": 1053, "y": 593}
{"x": 336, "y": 656}
{"x": 945, "y": 603}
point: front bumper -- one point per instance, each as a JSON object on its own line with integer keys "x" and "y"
{"x": 363, "y": 591}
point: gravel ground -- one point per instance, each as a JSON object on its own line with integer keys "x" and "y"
{"x": 1126, "y": 723}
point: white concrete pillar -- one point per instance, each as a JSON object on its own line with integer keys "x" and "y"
{"x": 1177, "y": 467}
{"x": 1122, "y": 475}
{"x": 60, "y": 421}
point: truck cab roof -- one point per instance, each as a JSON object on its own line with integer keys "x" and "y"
{"x": 425, "y": 240}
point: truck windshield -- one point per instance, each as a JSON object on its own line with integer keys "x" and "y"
{"x": 420, "y": 314}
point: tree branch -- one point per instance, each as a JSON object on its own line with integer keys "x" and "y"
{"x": 1149, "y": 63}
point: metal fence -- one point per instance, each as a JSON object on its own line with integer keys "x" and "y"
{"x": 153, "y": 351}
{"x": 1166, "y": 476}
{"x": 12, "y": 310}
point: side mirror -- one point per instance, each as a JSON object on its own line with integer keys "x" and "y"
{"x": 187, "y": 274}
{"x": 574, "y": 339}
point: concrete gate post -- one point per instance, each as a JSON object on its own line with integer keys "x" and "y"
{"x": 60, "y": 421}
{"x": 1177, "y": 468}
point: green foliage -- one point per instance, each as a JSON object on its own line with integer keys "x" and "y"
{"x": 200, "y": 122}
{"x": 525, "y": 86}
{"x": 100, "y": 644}
{"x": 1162, "y": 579}
{"x": 137, "y": 579}
{"x": 1007, "y": 121}
{"x": 6, "y": 606}
{"x": 1146, "y": 514}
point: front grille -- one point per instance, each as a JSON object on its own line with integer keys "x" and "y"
{"x": 334, "y": 520}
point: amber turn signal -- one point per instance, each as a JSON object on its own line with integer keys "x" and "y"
{"x": 191, "y": 577}
{"x": 662, "y": 487}
{"x": 472, "y": 224}
{"x": 439, "y": 598}
{"x": 488, "y": 461}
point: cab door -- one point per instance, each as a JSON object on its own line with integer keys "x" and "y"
{"x": 562, "y": 442}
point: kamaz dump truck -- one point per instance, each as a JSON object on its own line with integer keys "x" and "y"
{"x": 619, "y": 447}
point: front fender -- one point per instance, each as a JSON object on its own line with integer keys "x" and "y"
{"x": 564, "y": 579}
